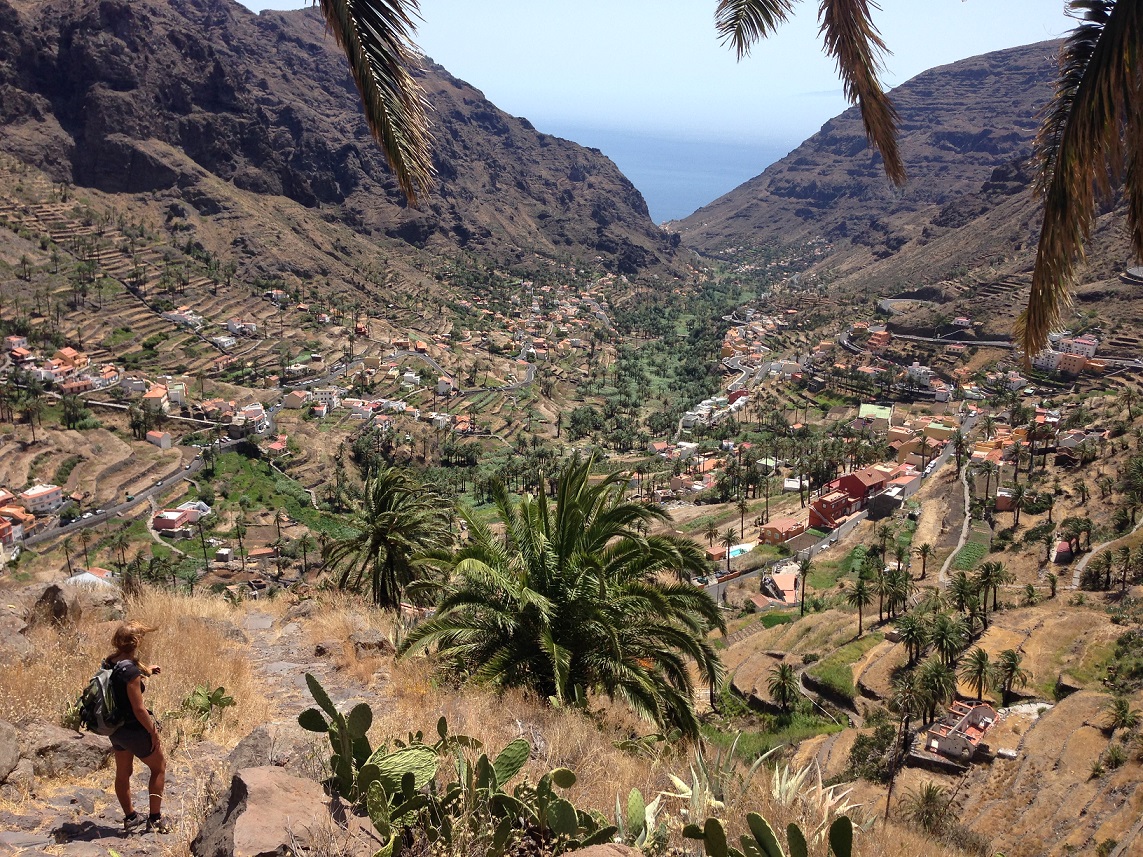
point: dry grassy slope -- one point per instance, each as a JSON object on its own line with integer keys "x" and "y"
{"x": 1045, "y": 802}
{"x": 1058, "y": 749}
{"x": 258, "y": 650}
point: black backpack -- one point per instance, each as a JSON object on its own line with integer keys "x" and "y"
{"x": 98, "y": 712}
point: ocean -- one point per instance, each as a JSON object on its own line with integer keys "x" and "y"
{"x": 678, "y": 176}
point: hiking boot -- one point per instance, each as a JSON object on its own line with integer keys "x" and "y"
{"x": 132, "y": 823}
{"x": 158, "y": 824}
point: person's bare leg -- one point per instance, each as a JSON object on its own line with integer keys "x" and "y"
{"x": 157, "y": 762}
{"x": 124, "y": 765}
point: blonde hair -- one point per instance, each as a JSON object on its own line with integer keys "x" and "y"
{"x": 126, "y": 641}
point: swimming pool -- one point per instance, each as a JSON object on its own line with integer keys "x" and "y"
{"x": 739, "y": 550}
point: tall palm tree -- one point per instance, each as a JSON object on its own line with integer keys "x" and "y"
{"x": 396, "y": 520}
{"x": 1009, "y": 673}
{"x": 948, "y": 635}
{"x": 710, "y": 533}
{"x": 805, "y": 566}
{"x": 976, "y": 671}
{"x": 914, "y": 633}
{"x": 990, "y": 577}
{"x": 728, "y": 540}
{"x": 924, "y": 552}
{"x": 783, "y": 685}
{"x": 937, "y": 681}
{"x": 573, "y": 598}
{"x": 859, "y": 595}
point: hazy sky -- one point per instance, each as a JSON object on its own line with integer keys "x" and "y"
{"x": 656, "y": 66}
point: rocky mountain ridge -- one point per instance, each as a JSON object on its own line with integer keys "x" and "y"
{"x": 966, "y": 133}
{"x": 154, "y": 97}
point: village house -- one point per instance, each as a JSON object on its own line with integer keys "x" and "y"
{"x": 328, "y": 396}
{"x": 156, "y": 399}
{"x": 23, "y": 523}
{"x": 161, "y": 439}
{"x": 184, "y": 315}
{"x": 781, "y": 530}
{"x": 224, "y": 342}
{"x": 196, "y": 509}
{"x": 41, "y": 499}
{"x": 170, "y": 519}
{"x": 444, "y": 385}
{"x": 831, "y": 510}
{"x": 77, "y": 360}
{"x": 239, "y": 327}
{"x": 11, "y": 343}
{"x": 959, "y": 735}
{"x": 295, "y": 399}
{"x": 76, "y": 386}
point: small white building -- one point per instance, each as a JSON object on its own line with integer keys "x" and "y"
{"x": 161, "y": 439}
{"x": 329, "y": 396}
{"x": 224, "y": 342}
{"x": 411, "y": 378}
{"x": 1085, "y": 346}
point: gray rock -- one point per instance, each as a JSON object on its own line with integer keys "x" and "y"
{"x": 259, "y": 622}
{"x": 227, "y": 629}
{"x": 57, "y": 605}
{"x": 327, "y": 648}
{"x": 21, "y": 839}
{"x": 13, "y": 643}
{"x": 267, "y": 811}
{"x": 9, "y": 749}
{"x": 54, "y": 750}
{"x": 11, "y": 821}
{"x": 253, "y": 751}
{"x": 371, "y": 643}
{"x": 20, "y": 783}
{"x": 104, "y": 603}
{"x": 303, "y": 610}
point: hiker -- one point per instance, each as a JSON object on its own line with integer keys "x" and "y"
{"x": 138, "y": 736}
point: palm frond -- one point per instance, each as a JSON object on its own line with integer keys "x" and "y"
{"x": 1081, "y": 150}
{"x": 741, "y": 23}
{"x": 376, "y": 36}
{"x": 854, "y": 42}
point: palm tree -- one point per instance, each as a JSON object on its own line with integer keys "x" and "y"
{"x": 962, "y": 590}
{"x": 860, "y": 597}
{"x": 914, "y": 633}
{"x": 924, "y": 552}
{"x": 976, "y": 671}
{"x": 989, "y": 578}
{"x": 396, "y": 520}
{"x": 805, "y": 566}
{"x": 728, "y": 540}
{"x": 67, "y": 548}
{"x": 710, "y": 533}
{"x": 927, "y": 807}
{"x": 239, "y": 532}
{"x": 783, "y": 685}
{"x": 743, "y": 508}
{"x": 32, "y": 411}
{"x": 1009, "y": 674}
{"x": 1019, "y": 497}
{"x": 306, "y": 543}
{"x": 573, "y": 598}
{"x": 1120, "y": 714}
{"x": 84, "y": 542}
{"x": 960, "y": 448}
{"x": 937, "y": 682}
{"x": 948, "y": 636}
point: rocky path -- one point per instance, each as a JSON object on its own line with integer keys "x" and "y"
{"x": 84, "y": 819}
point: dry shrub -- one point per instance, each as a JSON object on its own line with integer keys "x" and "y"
{"x": 190, "y": 645}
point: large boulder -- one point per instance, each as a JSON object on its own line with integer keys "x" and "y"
{"x": 54, "y": 750}
{"x": 269, "y": 812}
{"x": 101, "y": 602}
{"x": 9, "y": 749}
{"x": 56, "y": 604}
{"x": 369, "y": 642}
{"x": 13, "y": 644}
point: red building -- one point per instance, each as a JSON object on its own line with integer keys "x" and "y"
{"x": 829, "y": 510}
{"x": 862, "y": 484}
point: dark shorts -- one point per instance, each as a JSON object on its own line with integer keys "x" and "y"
{"x": 134, "y": 738}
